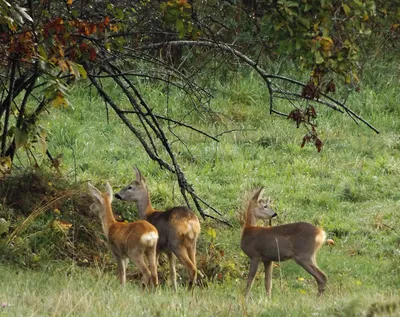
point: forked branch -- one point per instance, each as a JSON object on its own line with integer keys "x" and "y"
{"x": 149, "y": 122}
{"x": 268, "y": 78}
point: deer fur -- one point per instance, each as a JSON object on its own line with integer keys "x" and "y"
{"x": 178, "y": 227}
{"x": 299, "y": 241}
{"x": 127, "y": 240}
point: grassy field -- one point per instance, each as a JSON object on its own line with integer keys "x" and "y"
{"x": 350, "y": 189}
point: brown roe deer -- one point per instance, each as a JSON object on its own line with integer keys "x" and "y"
{"x": 177, "y": 227}
{"x": 299, "y": 241}
{"x": 127, "y": 240}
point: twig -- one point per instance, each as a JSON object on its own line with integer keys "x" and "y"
{"x": 176, "y": 122}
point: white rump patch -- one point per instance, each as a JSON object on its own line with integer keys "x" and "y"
{"x": 149, "y": 239}
{"x": 191, "y": 229}
{"x": 320, "y": 237}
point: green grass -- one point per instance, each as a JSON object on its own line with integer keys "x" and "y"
{"x": 350, "y": 189}
{"x": 72, "y": 291}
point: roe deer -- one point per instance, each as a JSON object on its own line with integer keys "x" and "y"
{"x": 299, "y": 241}
{"x": 127, "y": 240}
{"x": 177, "y": 227}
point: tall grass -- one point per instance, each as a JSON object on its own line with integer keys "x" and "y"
{"x": 70, "y": 291}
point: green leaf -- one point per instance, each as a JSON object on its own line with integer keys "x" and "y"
{"x": 346, "y": 9}
{"x": 318, "y": 57}
{"x": 367, "y": 31}
{"x": 41, "y": 135}
{"x": 22, "y": 11}
{"x": 21, "y": 137}
{"x": 180, "y": 27}
{"x": 289, "y": 30}
{"x": 278, "y": 26}
{"x": 82, "y": 70}
{"x": 212, "y": 233}
{"x": 42, "y": 51}
{"x": 307, "y": 7}
{"x": 292, "y": 4}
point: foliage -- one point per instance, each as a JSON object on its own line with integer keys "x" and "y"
{"x": 46, "y": 47}
{"x": 321, "y": 36}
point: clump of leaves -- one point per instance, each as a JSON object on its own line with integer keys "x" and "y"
{"x": 307, "y": 117}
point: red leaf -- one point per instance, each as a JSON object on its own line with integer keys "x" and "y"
{"x": 92, "y": 53}
{"x": 319, "y": 144}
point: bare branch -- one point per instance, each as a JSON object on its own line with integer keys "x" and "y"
{"x": 267, "y": 77}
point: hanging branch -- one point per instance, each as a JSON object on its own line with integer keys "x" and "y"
{"x": 214, "y": 138}
{"x": 332, "y": 103}
{"x": 150, "y": 121}
{"x": 7, "y": 106}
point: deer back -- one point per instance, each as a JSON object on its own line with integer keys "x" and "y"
{"x": 173, "y": 224}
{"x": 283, "y": 242}
{"x": 138, "y": 235}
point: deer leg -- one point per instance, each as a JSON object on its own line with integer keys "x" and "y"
{"x": 183, "y": 257}
{"x": 252, "y": 273}
{"x": 322, "y": 274}
{"x": 137, "y": 258}
{"x": 122, "y": 264}
{"x": 268, "y": 277}
{"x": 172, "y": 270}
{"x": 151, "y": 255}
{"x": 319, "y": 276}
{"x": 191, "y": 250}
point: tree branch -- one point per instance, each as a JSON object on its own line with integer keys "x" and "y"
{"x": 267, "y": 77}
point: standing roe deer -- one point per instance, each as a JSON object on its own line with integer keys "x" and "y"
{"x": 177, "y": 227}
{"x": 127, "y": 240}
{"x": 299, "y": 241}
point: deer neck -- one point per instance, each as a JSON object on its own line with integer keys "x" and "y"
{"x": 107, "y": 218}
{"x": 144, "y": 206}
{"x": 250, "y": 220}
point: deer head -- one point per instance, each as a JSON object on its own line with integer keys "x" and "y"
{"x": 260, "y": 207}
{"x": 136, "y": 190}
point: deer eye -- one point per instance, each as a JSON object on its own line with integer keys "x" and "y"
{"x": 130, "y": 187}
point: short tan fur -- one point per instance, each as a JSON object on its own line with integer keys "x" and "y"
{"x": 127, "y": 240}
{"x": 178, "y": 227}
{"x": 299, "y": 241}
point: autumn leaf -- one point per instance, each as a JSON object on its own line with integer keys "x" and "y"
{"x": 113, "y": 28}
{"x": 92, "y": 53}
{"x": 63, "y": 65}
{"x": 183, "y": 3}
{"x": 212, "y": 233}
{"x": 59, "y": 100}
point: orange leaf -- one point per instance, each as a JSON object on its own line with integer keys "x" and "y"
{"x": 63, "y": 65}
{"x": 113, "y": 28}
{"x": 92, "y": 53}
{"x": 69, "y": 2}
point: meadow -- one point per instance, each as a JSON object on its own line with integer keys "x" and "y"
{"x": 350, "y": 189}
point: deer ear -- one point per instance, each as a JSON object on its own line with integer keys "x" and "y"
{"x": 137, "y": 173}
{"x": 109, "y": 192}
{"x": 258, "y": 195}
{"x": 94, "y": 192}
{"x": 143, "y": 180}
